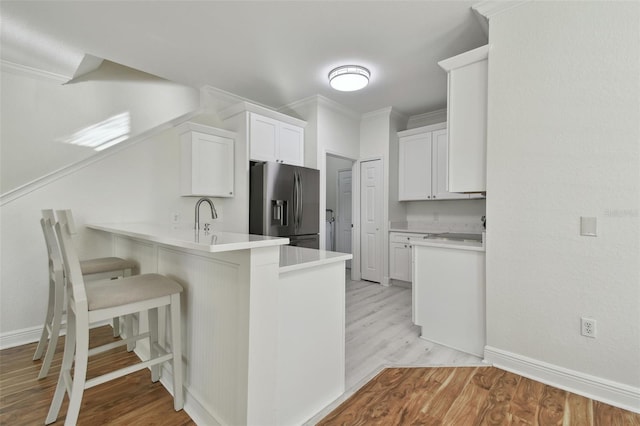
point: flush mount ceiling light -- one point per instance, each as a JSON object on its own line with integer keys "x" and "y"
{"x": 348, "y": 78}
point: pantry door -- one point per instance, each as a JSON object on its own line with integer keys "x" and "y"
{"x": 371, "y": 212}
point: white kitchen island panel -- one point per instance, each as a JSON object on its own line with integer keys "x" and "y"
{"x": 312, "y": 345}
{"x": 449, "y": 294}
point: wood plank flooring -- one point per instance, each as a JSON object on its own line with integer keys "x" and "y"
{"x": 469, "y": 396}
{"x": 133, "y": 399}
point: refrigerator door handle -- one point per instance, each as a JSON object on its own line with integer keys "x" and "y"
{"x": 301, "y": 209}
{"x": 295, "y": 199}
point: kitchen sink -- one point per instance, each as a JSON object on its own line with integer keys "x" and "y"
{"x": 453, "y": 236}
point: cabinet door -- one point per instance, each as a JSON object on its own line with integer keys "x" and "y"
{"x": 414, "y": 167}
{"x": 467, "y": 121}
{"x": 207, "y": 165}
{"x": 400, "y": 261}
{"x": 291, "y": 144}
{"x": 439, "y": 168}
{"x": 263, "y": 136}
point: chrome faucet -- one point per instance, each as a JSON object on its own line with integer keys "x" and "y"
{"x": 214, "y": 213}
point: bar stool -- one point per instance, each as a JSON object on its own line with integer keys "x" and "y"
{"x": 115, "y": 267}
{"x": 92, "y": 302}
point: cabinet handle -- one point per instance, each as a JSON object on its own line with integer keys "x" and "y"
{"x": 434, "y": 196}
{"x": 230, "y": 193}
{"x": 428, "y": 196}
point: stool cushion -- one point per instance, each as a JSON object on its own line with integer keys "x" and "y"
{"x": 105, "y": 264}
{"x": 106, "y": 294}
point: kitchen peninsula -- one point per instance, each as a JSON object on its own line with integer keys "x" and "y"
{"x": 263, "y": 322}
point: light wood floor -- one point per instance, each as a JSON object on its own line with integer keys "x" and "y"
{"x": 379, "y": 333}
{"x": 133, "y": 399}
{"x": 469, "y": 396}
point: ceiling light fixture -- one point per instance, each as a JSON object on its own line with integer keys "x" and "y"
{"x": 349, "y": 78}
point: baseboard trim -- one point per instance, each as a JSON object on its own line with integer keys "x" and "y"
{"x": 198, "y": 412}
{"x": 607, "y": 391}
{"x": 28, "y": 335}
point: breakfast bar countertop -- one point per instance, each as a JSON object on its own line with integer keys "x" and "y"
{"x": 294, "y": 258}
{"x": 184, "y": 236}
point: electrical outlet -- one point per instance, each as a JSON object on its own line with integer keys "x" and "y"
{"x": 588, "y": 327}
{"x": 175, "y": 217}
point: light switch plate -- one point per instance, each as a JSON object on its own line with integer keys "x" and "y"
{"x": 588, "y": 226}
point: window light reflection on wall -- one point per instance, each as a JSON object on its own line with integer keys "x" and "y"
{"x": 104, "y": 134}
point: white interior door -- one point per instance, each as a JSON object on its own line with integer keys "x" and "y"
{"x": 343, "y": 221}
{"x": 371, "y": 211}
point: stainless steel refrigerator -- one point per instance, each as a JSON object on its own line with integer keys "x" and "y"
{"x": 284, "y": 201}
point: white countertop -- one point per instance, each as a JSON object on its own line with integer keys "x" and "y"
{"x": 295, "y": 258}
{"x": 184, "y": 236}
{"x": 450, "y": 244}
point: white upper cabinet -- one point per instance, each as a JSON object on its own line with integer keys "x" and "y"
{"x": 415, "y": 167}
{"x": 206, "y": 161}
{"x": 467, "y": 120}
{"x": 274, "y": 140}
{"x": 422, "y": 165}
{"x": 439, "y": 168}
{"x": 264, "y": 134}
{"x": 267, "y": 135}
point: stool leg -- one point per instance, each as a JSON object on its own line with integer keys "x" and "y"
{"x": 47, "y": 322}
{"x": 116, "y": 326}
{"x": 79, "y": 369}
{"x": 56, "y": 321}
{"x": 65, "y": 369}
{"x": 153, "y": 341}
{"x": 128, "y": 330}
{"x": 176, "y": 349}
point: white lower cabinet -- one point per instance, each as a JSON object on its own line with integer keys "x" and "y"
{"x": 400, "y": 255}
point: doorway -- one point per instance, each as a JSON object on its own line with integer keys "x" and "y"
{"x": 344, "y": 218}
{"x": 339, "y": 205}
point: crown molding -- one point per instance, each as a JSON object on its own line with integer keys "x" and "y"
{"x": 324, "y": 101}
{"x": 395, "y": 113}
{"x": 245, "y": 106}
{"x": 431, "y": 117}
{"x": 228, "y": 97}
{"x": 25, "y": 70}
{"x": 479, "y": 54}
{"x": 382, "y": 111}
{"x": 486, "y": 10}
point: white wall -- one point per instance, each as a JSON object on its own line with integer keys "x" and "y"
{"x": 563, "y": 142}
{"x": 446, "y": 211}
{"x": 138, "y": 183}
{"x": 397, "y": 209}
{"x": 38, "y": 112}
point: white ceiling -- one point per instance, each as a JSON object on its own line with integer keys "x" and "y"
{"x": 271, "y": 52}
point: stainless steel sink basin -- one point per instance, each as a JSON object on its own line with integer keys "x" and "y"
{"x": 453, "y": 236}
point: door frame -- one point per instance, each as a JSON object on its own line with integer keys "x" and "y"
{"x": 355, "y": 207}
{"x": 350, "y": 265}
